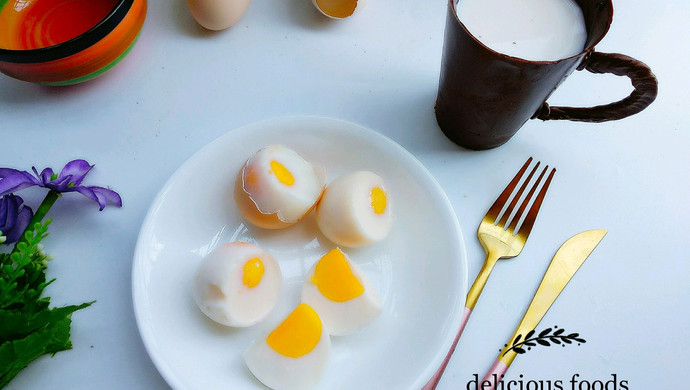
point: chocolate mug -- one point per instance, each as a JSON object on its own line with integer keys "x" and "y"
{"x": 484, "y": 96}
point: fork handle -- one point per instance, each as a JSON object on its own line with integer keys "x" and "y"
{"x": 470, "y": 302}
{"x": 480, "y": 281}
{"x": 494, "y": 376}
{"x": 433, "y": 382}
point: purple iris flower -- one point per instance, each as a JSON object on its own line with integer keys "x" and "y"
{"x": 69, "y": 180}
{"x": 14, "y": 217}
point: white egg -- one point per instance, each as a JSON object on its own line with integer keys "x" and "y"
{"x": 355, "y": 210}
{"x": 217, "y": 14}
{"x": 294, "y": 355}
{"x": 237, "y": 284}
{"x": 339, "y": 291}
{"x": 339, "y": 9}
{"x": 277, "y": 187}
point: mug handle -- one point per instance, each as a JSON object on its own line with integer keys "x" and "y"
{"x": 641, "y": 76}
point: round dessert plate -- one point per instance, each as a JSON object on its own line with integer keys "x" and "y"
{"x": 419, "y": 271}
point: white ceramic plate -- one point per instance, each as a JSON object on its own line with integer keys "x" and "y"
{"x": 419, "y": 270}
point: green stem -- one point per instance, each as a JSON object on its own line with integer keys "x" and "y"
{"x": 40, "y": 213}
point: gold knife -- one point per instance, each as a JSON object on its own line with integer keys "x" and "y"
{"x": 565, "y": 263}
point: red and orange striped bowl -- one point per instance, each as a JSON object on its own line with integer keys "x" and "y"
{"x": 61, "y": 42}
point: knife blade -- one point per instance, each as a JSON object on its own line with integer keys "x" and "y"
{"x": 564, "y": 264}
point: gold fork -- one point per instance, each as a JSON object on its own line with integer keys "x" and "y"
{"x": 501, "y": 238}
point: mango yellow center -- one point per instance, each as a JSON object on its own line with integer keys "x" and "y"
{"x": 337, "y": 8}
{"x": 298, "y": 334}
{"x": 253, "y": 271}
{"x": 334, "y": 278}
{"x": 282, "y": 174}
{"x": 378, "y": 200}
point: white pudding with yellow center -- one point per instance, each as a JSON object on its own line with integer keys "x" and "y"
{"x": 277, "y": 187}
{"x": 355, "y": 210}
{"x": 340, "y": 292}
{"x": 237, "y": 284}
{"x": 294, "y": 355}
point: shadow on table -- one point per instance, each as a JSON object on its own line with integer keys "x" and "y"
{"x": 415, "y": 111}
{"x": 184, "y": 22}
{"x": 17, "y": 92}
{"x": 303, "y": 13}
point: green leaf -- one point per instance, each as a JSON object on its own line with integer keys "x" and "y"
{"x": 28, "y": 327}
{"x": 16, "y": 324}
{"x": 22, "y": 246}
{"x": 24, "y": 271}
{"x": 19, "y": 353}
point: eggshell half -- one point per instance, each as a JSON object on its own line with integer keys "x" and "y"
{"x": 339, "y": 9}
{"x": 217, "y": 14}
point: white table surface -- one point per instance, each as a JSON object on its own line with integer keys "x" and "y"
{"x": 181, "y": 87}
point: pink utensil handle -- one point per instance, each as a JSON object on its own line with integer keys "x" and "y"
{"x": 494, "y": 375}
{"x": 433, "y": 382}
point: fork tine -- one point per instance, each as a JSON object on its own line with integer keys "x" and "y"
{"x": 503, "y": 198}
{"x": 523, "y": 206}
{"x": 518, "y": 194}
{"x": 527, "y": 224}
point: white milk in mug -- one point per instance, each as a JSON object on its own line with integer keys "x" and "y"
{"x": 536, "y": 30}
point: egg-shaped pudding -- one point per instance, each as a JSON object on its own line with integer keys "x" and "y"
{"x": 217, "y": 14}
{"x": 294, "y": 355}
{"x": 340, "y": 292}
{"x": 277, "y": 187}
{"x": 237, "y": 284}
{"x": 355, "y": 210}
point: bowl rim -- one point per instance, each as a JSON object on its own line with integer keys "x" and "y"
{"x": 74, "y": 45}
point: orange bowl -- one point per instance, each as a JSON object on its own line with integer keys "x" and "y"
{"x": 61, "y": 42}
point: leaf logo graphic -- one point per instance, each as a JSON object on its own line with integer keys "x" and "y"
{"x": 546, "y": 338}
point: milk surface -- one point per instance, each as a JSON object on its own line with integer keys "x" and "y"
{"x": 537, "y": 30}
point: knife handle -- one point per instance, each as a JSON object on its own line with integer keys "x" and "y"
{"x": 494, "y": 375}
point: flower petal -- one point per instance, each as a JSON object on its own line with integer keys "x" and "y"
{"x": 111, "y": 197}
{"x": 45, "y": 176}
{"x": 101, "y": 195}
{"x": 74, "y": 172}
{"x": 14, "y": 218}
{"x": 4, "y": 210}
{"x": 12, "y": 180}
{"x": 23, "y": 219}
{"x": 12, "y": 209}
